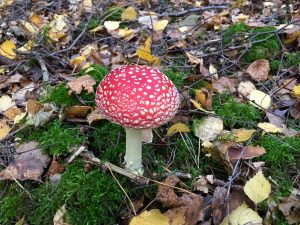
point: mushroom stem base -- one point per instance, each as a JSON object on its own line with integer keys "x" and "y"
{"x": 133, "y": 155}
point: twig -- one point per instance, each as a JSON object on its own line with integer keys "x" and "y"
{"x": 44, "y": 70}
{"x": 182, "y": 13}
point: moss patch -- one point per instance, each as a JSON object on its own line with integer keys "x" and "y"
{"x": 175, "y": 76}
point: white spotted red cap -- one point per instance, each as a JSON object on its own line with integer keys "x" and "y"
{"x": 137, "y": 97}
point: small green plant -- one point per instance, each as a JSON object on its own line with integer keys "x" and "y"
{"x": 91, "y": 198}
{"x": 113, "y": 13}
{"x": 93, "y": 23}
{"x": 235, "y": 114}
{"x": 55, "y": 138}
{"x": 45, "y": 34}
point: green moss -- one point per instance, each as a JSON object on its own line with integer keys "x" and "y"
{"x": 109, "y": 141}
{"x": 59, "y": 96}
{"x": 113, "y": 13}
{"x": 235, "y": 114}
{"x": 175, "y": 76}
{"x": 14, "y": 205}
{"x": 292, "y": 59}
{"x": 55, "y": 138}
{"x": 281, "y": 152}
{"x": 268, "y": 48}
{"x": 93, "y": 23}
{"x": 90, "y": 197}
{"x": 45, "y": 34}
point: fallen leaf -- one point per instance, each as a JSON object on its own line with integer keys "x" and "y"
{"x": 94, "y": 116}
{"x": 6, "y": 103}
{"x": 234, "y": 152}
{"x": 242, "y": 215}
{"x": 258, "y": 188}
{"x": 296, "y": 90}
{"x": 111, "y": 25}
{"x": 7, "y": 49}
{"x": 290, "y": 207}
{"x": 33, "y": 106}
{"x": 260, "y": 99}
{"x": 178, "y": 127}
{"x": 194, "y": 60}
{"x": 245, "y": 88}
{"x": 87, "y": 5}
{"x": 26, "y": 47}
{"x": 243, "y": 134}
{"x": 31, "y": 28}
{"x": 12, "y": 113}
{"x": 148, "y": 20}
{"x": 144, "y": 52}
{"x": 270, "y": 128}
{"x": 129, "y": 14}
{"x": 36, "y": 19}
{"x": 85, "y": 82}
{"x": 59, "y": 216}
{"x": 4, "y": 130}
{"x": 225, "y": 84}
{"x": 160, "y": 25}
{"x": 28, "y": 163}
{"x": 259, "y": 70}
{"x": 218, "y": 204}
{"x": 78, "y": 111}
{"x": 152, "y": 217}
{"x": 198, "y": 105}
{"x": 209, "y": 128}
{"x": 55, "y": 168}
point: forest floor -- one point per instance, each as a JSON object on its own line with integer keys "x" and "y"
{"x": 229, "y": 156}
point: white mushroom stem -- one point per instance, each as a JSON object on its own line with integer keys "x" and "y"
{"x": 133, "y": 155}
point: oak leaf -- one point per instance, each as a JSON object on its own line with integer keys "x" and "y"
{"x": 259, "y": 70}
{"x": 85, "y": 82}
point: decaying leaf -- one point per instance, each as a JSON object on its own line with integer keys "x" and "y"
{"x": 12, "y": 113}
{"x": 270, "y": 128}
{"x": 208, "y": 129}
{"x": 234, "y": 152}
{"x": 33, "y": 106}
{"x": 6, "y": 103}
{"x": 218, "y": 204}
{"x": 259, "y": 70}
{"x": 59, "y": 215}
{"x": 198, "y": 105}
{"x": 28, "y": 163}
{"x": 129, "y": 14}
{"x": 7, "y": 49}
{"x": 144, "y": 52}
{"x": 243, "y": 134}
{"x": 242, "y": 215}
{"x": 260, "y": 99}
{"x": 4, "y": 130}
{"x": 78, "y": 111}
{"x": 245, "y": 88}
{"x": 152, "y": 217}
{"x": 42, "y": 116}
{"x": 94, "y": 116}
{"x": 290, "y": 207}
{"x": 296, "y": 90}
{"x": 225, "y": 84}
{"x": 85, "y": 82}
{"x": 258, "y": 188}
{"x": 178, "y": 127}
{"x": 188, "y": 207}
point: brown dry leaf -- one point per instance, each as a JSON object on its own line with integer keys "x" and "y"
{"x": 193, "y": 59}
{"x": 55, "y": 168}
{"x": 188, "y": 206}
{"x": 12, "y": 113}
{"x": 144, "y": 52}
{"x": 36, "y": 19}
{"x": 290, "y": 207}
{"x": 33, "y": 106}
{"x": 28, "y": 163}
{"x": 129, "y": 14}
{"x": 292, "y": 37}
{"x": 218, "y": 204}
{"x": 78, "y": 111}
{"x": 4, "y": 130}
{"x": 250, "y": 152}
{"x": 85, "y": 82}
{"x": 94, "y": 116}
{"x": 225, "y": 84}
{"x": 259, "y": 70}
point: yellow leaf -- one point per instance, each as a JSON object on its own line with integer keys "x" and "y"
{"x": 183, "y": 29}
{"x": 144, "y": 52}
{"x": 270, "y": 128}
{"x": 124, "y": 32}
{"x": 27, "y": 47}
{"x": 200, "y": 96}
{"x": 36, "y": 19}
{"x": 88, "y": 5}
{"x": 129, "y": 14}
{"x": 19, "y": 118}
{"x": 242, "y": 215}
{"x": 178, "y": 127}
{"x": 160, "y": 25}
{"x": 4, "y": 130}
{"x": 198, "y": 106}
{"x": 7, "y": 49}
{"x": 29, "y": 27}
{"x": 258, "y": 188}
{"x": 243, "y": 134}
{"x": 296, "y": 90}
{"x": 152, "y": 217}
{"x": 111, "y": 25}
{"x": 6, "y": 3}
{"x": 78, "y": 60}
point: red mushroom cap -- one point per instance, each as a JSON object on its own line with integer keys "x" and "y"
{"x": 137, "y": 97}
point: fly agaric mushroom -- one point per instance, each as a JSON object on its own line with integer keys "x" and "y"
{"x": 137, "y": 98}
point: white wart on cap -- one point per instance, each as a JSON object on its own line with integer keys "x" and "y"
{"x": 137, "y": 97}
